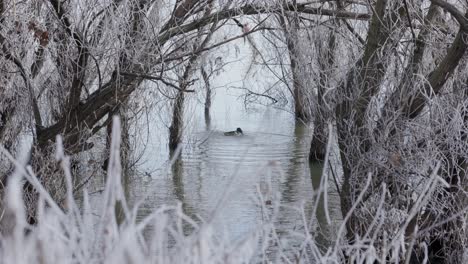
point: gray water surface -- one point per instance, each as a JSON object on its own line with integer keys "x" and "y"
{"x": 220, "y": 179}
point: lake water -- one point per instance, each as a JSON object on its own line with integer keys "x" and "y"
{"x": 221, "y": 178}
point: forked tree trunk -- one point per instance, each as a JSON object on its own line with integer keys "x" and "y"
{"x": 351, "y": 113}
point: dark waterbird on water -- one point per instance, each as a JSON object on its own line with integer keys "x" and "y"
{"x": 238, "y": 132}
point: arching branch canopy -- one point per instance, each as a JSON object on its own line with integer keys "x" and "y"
{"x": 85, "y": 112}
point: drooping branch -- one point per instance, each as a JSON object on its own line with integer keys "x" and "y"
{"x": 215, "y": 45}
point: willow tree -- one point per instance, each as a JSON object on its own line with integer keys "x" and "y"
{"x": 312, "y": 50}
{"x": 392, "y": 116}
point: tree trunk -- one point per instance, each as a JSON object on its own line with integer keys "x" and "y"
{"x": 326, "y": 62}
{"x": 300, "y": 96}
{"x": 206, "y": 79}
{"x": 318, "y": 144}
{"x": 176, "y": 128}
{"x": 353, "y": 140}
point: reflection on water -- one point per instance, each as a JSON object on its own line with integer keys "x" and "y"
{"x": 220, "y": 178}
{"x": 325, "y": 233}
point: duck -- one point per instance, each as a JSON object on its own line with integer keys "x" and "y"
{"x": 238, "y": 132}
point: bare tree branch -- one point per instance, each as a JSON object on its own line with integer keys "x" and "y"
{"x": 254, "y": 10}
{"x": 151, "y": 77}
{"x": 462, "y": 19}
{"x": 79, "y": 67}
{"x": 439, "y": 76}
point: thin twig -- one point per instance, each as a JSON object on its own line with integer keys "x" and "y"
{"x": 151, "y": 77}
